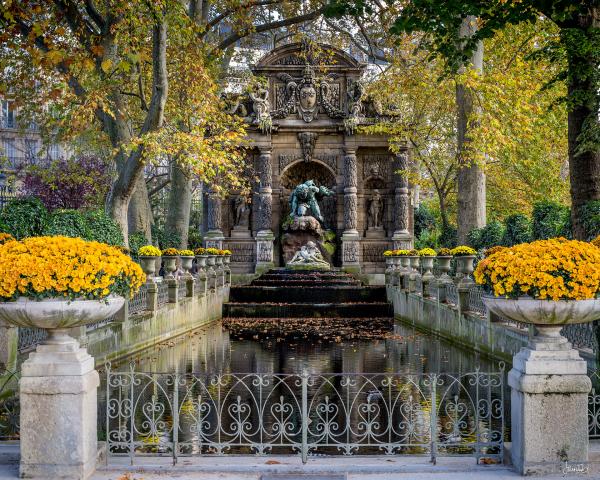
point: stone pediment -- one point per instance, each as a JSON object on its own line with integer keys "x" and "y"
{"x": 295, "y": 56}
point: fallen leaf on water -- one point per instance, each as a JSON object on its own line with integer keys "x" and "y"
{"x": 272, "y": 462}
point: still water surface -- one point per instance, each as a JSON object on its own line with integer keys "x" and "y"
{"x": 212, "y": 349}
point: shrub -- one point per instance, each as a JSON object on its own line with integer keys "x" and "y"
{"x": 517, "y": 229}
{"x": 136, "y": 241}
{"x": 424, "y": 220}
{"x": 550, "y": 219}
{"x": 486, "y": 237}
{"x": 590, "y": 217}
{"x": 67, "y": 223}
{"x": 103, "y": 228}
{"x": 474, "y": 238}
{"x": 194, "y": 239}
{"x": 24, "y": 217}
{"x": 165, "y": 239}
{"x": 448, "y": 237}
{"x": 72, "y": 183}
{"x": 427, "y": 239}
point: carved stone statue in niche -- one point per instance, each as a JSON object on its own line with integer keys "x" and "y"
{"x": 375, "y": 210}
{"x": 241, "y": 217}
{"x": 375, "y": 216}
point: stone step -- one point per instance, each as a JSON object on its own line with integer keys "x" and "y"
{"x": 307, "y": 294}
{"x": 302, "y": 310}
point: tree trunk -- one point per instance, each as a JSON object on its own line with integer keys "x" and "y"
{"x": 471, "y": 179}
{"x": 132, "y": 169}
{"x": 179, "y": 206}
{"x": 584, "y": 162}
{"x": 140, "y": 211}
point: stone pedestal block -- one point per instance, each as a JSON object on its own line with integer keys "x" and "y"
{"x": 264, "y": 251}
{"x": 58, "y": 413}
{"x": 549, "y": 397}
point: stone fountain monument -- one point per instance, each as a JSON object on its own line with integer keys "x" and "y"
{"x": 305, "y": 223}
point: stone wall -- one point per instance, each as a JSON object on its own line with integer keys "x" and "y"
{"x": 140, "y": 331}
{"x": 485, "y": 334}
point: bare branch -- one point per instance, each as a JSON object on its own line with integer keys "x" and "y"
{"x": 266, "y": 27}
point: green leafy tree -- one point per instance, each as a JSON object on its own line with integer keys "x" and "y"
{"x": 550, "y": 219}
{"x": 517, "y": 229}
{"x": 576, "y": 50}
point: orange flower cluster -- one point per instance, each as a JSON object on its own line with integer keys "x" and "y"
{"x": 43, "y": 267}
{"x": 556, "y": 269}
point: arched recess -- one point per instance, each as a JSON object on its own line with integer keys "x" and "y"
{"x": 301, "y": 171}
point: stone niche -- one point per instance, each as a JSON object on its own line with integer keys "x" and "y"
{"x": 302, "y": 125}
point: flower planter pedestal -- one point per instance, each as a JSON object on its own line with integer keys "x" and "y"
{"x": 549, "y": 387}
{"x": 58, "y": 398}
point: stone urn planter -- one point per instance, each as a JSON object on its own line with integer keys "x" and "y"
{"x": 427, "y": 263}
{"x": 219, "y": 260}
{"x": 444, "y": 264}
{"x": 186, "y": 264}
{"x": 211, "y": 260}
{"x": 148, "y": 265}
{"x": 170, "y": 265}
{"x": 548, "y": 316}
{"x": 464, "y": 265}
{"x": 58, "y": 315}
{"x": 226, "y": 259}
{"x": 201, "y": 262}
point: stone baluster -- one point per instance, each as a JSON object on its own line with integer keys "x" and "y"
{"x": 264, "y": 235}
{"x": 214, "y": 237}
{"x": 350, "y": 237}
{"x": 402, "y": 238}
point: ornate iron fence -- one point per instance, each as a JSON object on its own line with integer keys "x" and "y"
{"x": 581, "y": 335}
{"x": 9, "y": 405}
{"x": 594, "y": 406}
{"x": 476, "y": 304}
{"x": 139, "y": 302}
{"x": 163, "y": 293}
{"x": 30, "y": 337}
{"x": 100, "y": 323}
{"x": 182, "y": 289}
{"x": 182, "y": 414}
{"x": 451, "y": 294}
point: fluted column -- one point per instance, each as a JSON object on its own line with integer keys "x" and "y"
{"x": 402, "y": 237}
{"x": 214, "y": 237}
{"x": 264, "y": 212}
{"x": 350, "y": 237}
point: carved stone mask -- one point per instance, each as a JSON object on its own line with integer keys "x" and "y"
{"x": 308, "y": 97}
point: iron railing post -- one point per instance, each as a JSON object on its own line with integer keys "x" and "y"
{"x": 304, "y": 379}
{"x": 433, "y": 417}
{"x": 107, "y": 366}
{"x": 175, "y": 412}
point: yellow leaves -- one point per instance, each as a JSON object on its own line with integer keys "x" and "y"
{"x": 54, "y": 56}
{"x": 106, "y": 65}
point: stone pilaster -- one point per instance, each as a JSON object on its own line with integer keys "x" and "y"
{"x": 214, "y": 237}
{"x": 264, "y": 210}
{"x": 350, "y": 237}
{"x": 402, "y": 237}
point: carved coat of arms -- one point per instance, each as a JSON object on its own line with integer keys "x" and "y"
{"x": 305, "y": 95}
